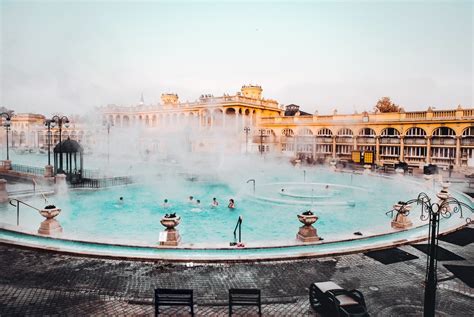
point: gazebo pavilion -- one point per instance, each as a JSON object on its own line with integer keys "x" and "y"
{"x": 66, "y": 160}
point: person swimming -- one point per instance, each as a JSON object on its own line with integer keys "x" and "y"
{"x": 198, "y": 205}
{"x": 166, "y": 204}
{"x": 214, "y": 202}
{"x": 231, "y": 204}
{"x": 191, "y": 200}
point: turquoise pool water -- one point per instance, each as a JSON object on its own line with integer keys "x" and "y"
{"x": 345, "y": 203}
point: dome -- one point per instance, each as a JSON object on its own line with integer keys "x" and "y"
{"x": 68, "y": 146}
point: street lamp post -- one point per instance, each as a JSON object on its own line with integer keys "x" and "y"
{"x": 51, "y": 123}
{"x": 247, "y": 130}
{"x": 433, "y": 212}
{"x": 108, "y": 125}
{"x": 7, "y": 125}
{"x": 48, "y": 123}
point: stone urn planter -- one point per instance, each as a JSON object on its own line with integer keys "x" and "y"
{"x": 401, "y": 220}
{"x": 171, "y": 235}
{"x": 50, "y": 226}
{"x": 307, "y": 233}
{"x": 443, "y": 195}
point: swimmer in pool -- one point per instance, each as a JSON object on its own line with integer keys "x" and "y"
{"x": 214, "y": 203}
{"x": 231, "y": 204}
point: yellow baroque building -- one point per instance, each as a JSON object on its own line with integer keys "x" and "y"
{"x": 443, "y": 137}
{"x": 242, "y": 109}
{"x": 440, "y": 137}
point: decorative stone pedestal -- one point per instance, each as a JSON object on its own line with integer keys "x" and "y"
{"x": 333, "y": 164}
{"x": 307, "y": 232}
{"x": 401, "y": 220}
{"x": 50, "y": 226}
{"x": 428, "y": 181}
{"x": 60, "y": 185}
{"x": 7, "y": 164}
{"x": 48, "y": 171}
{"x": 367, "y": 168}
{"x": 443, "y": 195}
{"x": 170, "y": 236}
{"x": 3, "y": 191}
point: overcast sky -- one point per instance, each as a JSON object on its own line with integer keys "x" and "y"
{"x": 72, "y": 56}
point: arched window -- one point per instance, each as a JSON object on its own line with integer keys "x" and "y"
{"x": 444, "y": 132}
{"x": 468, "y": 132}
{"x": 415, "y": 132}
{"x": 390, "y": 132}
{"x": 345, "y": 132}
{"x": 287, "y": 132}
{"x": 367, "y": 132}
{"x": 325, "y": 132}
{"x": 305, "y": 131}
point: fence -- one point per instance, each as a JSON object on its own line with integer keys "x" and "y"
{"x": 102, "y": 182}
{"x": 28, "y": 169}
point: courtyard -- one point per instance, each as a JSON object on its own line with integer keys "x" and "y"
{"x": 43, "y": 283}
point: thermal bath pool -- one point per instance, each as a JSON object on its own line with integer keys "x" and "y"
{"x": 345, "y": 203}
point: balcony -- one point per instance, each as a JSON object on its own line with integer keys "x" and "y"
{"x": 443, "y": 141}
{"x": 467, "y": 142}
{"x": 415, "y": 141}
{"x": 389, "y": 141}
{"x": 345, "y": 140}
{"x": 325, "y": 140}
{"x": 365, "y": 140}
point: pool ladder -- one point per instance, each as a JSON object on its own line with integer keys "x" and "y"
{"x": 237, "y": 226}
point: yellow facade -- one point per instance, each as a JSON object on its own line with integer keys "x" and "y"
{"x": 434, "y": 136}
{"x": 242, "y": 109}
{"x": 441, "y": 137}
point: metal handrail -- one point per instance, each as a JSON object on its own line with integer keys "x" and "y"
{"x": 34, "y": 189}
{"x": 238, "y": 225}
{"x": 18, "y": 202}
{"x": 252, "y": 180}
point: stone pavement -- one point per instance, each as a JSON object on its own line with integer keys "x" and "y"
{"x": 41, "y": 283}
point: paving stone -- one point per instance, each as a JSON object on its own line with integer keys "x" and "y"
{"x": 34, "y": 283}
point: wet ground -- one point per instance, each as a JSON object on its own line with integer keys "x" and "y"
{"x": 40, "y": 283}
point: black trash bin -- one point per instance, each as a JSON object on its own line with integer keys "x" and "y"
{"x": 430, "y": 169}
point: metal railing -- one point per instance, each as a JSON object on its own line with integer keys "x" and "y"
{"x": 102, "y": 182}
{"x": 17, "y": 205}
{"x": 28, "y": 169}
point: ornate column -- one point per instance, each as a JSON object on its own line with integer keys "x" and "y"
{"x": 428, "y": 149}
{"x": 355, "y": 142}
{"x": 377, "y": 149}
{"x": 402, "y": 149}
{"x": 314, "y": 147}
{"x": 333, "y": 146}
{"x": 458, "y": 151}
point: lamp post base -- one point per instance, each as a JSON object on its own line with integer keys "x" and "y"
{"x": 48, "y": 171}
{"x": 3, "y": 191}
{"x": 7, "y": 165}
